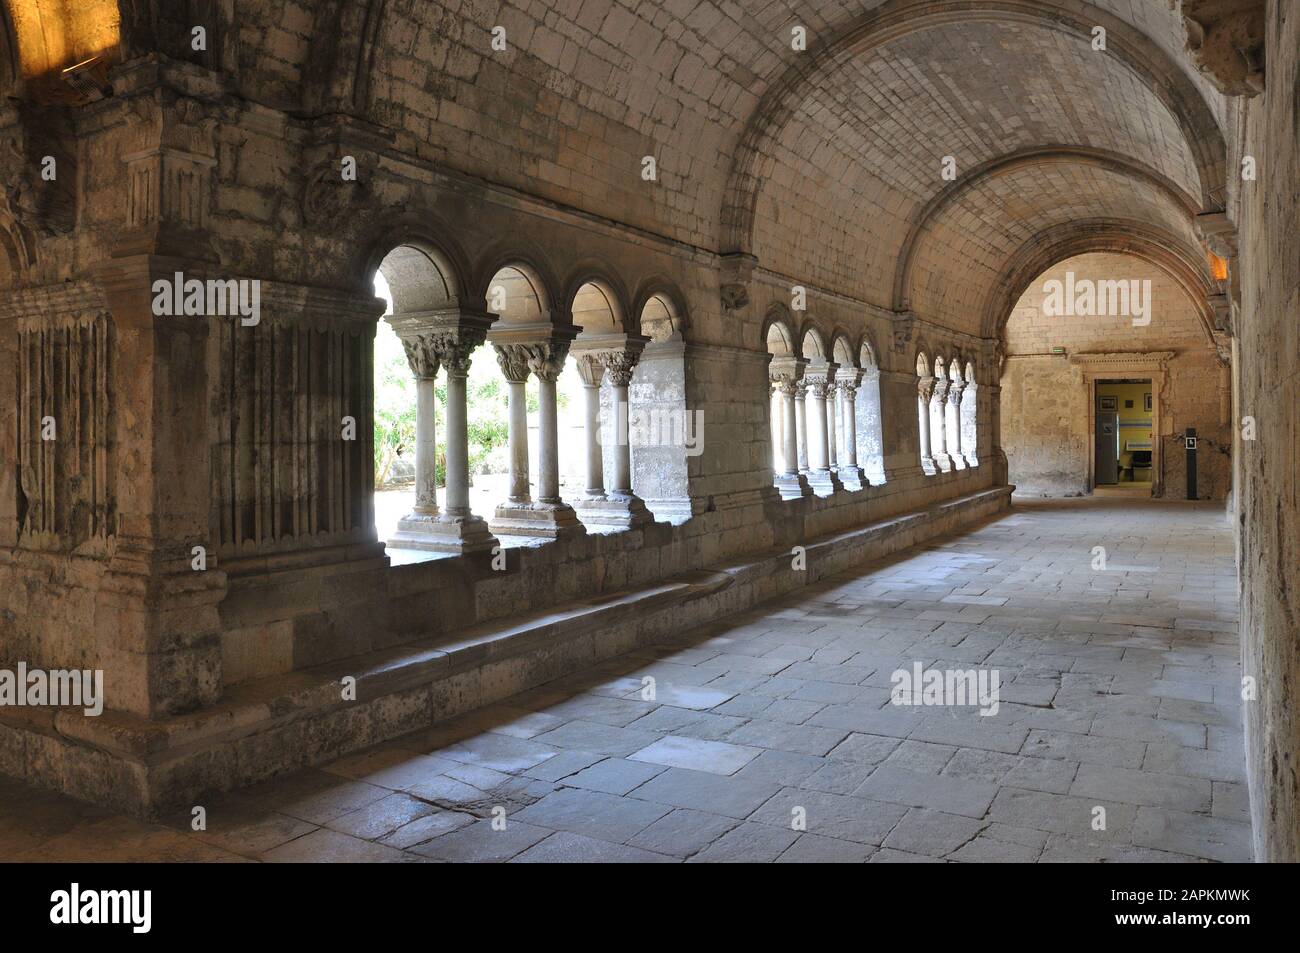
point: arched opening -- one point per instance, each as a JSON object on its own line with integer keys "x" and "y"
{"x": 666, "y": 434}
{"x": 599, "y": 429}
{"x": 842, "y": 414}
{"x": 866, "y": 410}
{"x": 1109, "y": 366}
{"x": 924, "y": 393}
{"x": 785, "y": 408}
{"x": 814, "y": 440}
{"x": 435, "y": 409}
{"x": 952, "y": 414}
{"x": 938, "y": 417}
{"x": 538, "y": 432}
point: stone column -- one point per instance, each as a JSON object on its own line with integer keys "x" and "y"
{"x": 448, "y": 338}
{"x": 955, "y": 389}
{"x": 801, "y": 424}
{"x": 513, "y": 361}
{"x": 938, "y": 435}
{"x": 776, "y": 413}
{"x": 832, "y": 431}
{"x": 541, "y": 352}
{"x": 924, "y": 392}
{"x": 849, "y": 472}
{"x": 592, "y": 372}
{"x": 548, "y": 363}
{"x": 423, "y": 361}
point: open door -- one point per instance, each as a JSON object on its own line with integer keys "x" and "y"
{"x": 1106, "y": 466}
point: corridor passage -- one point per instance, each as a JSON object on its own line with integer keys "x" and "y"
{"x": 773, "y": 738}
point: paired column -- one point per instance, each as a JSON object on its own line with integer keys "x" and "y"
{"x": 446, "y": 339}
{"x": 784, "y": 375}
{"x": 620, "y": 506}
{"x": 820, "y": 475}
{"x": 955, "y": 389}
{"x": 924, "y": 393}
{"x": 520, "y": 354}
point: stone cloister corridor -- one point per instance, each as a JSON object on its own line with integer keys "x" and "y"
{"x": 1120, "y": 690}
{"x": 642, "y": 430}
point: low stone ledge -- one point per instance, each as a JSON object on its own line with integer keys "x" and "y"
{"x": 273, "y": 725}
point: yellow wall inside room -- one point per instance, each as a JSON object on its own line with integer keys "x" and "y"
{"x": 1134, "y": 422}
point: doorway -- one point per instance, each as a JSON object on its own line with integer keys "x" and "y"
{"x": 1123, "y": 434}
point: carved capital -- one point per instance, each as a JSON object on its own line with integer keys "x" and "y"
{"x": 903, "y": 330}
{"x": 925, "y": 388}
{"x": 1225, "y": 39}
{"x": 786, "y": 384}
{"x": 547, "y": 360}
{"x": 955, "y": 389}
{"x": 513, "y": 360}
{"x": 941, "y": 389}
{"x": 591, "y": 368}
{"x": 736, "y": 272}
{"x": 455, "y": 350}
{"x": 619, "y": 365}
{"x": 421, "y": 356}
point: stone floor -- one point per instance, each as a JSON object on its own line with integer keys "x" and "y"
{"x": 773, "y": 738}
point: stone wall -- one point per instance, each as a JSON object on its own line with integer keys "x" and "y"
{"x": 1046, "y": 397}
{"x": 1267, "y": 211}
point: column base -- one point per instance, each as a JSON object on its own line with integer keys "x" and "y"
{"x": 792, "y": 486}
{"x": 675, "y": 510}
{"x": 547, "y": 520}
{"x": 853, "y": 478}
{"x": 824, "y": 482}
{"x": 958, "y": 461}
{"x": 972, "y": 461}
{"x": 943, "y": 462}
{"x": 928, "y": 466}
{"x": 443, "y": 533}
{"x": 614, "y": 510}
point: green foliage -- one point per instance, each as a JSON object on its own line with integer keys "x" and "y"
{"x": 395, "y": 413}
